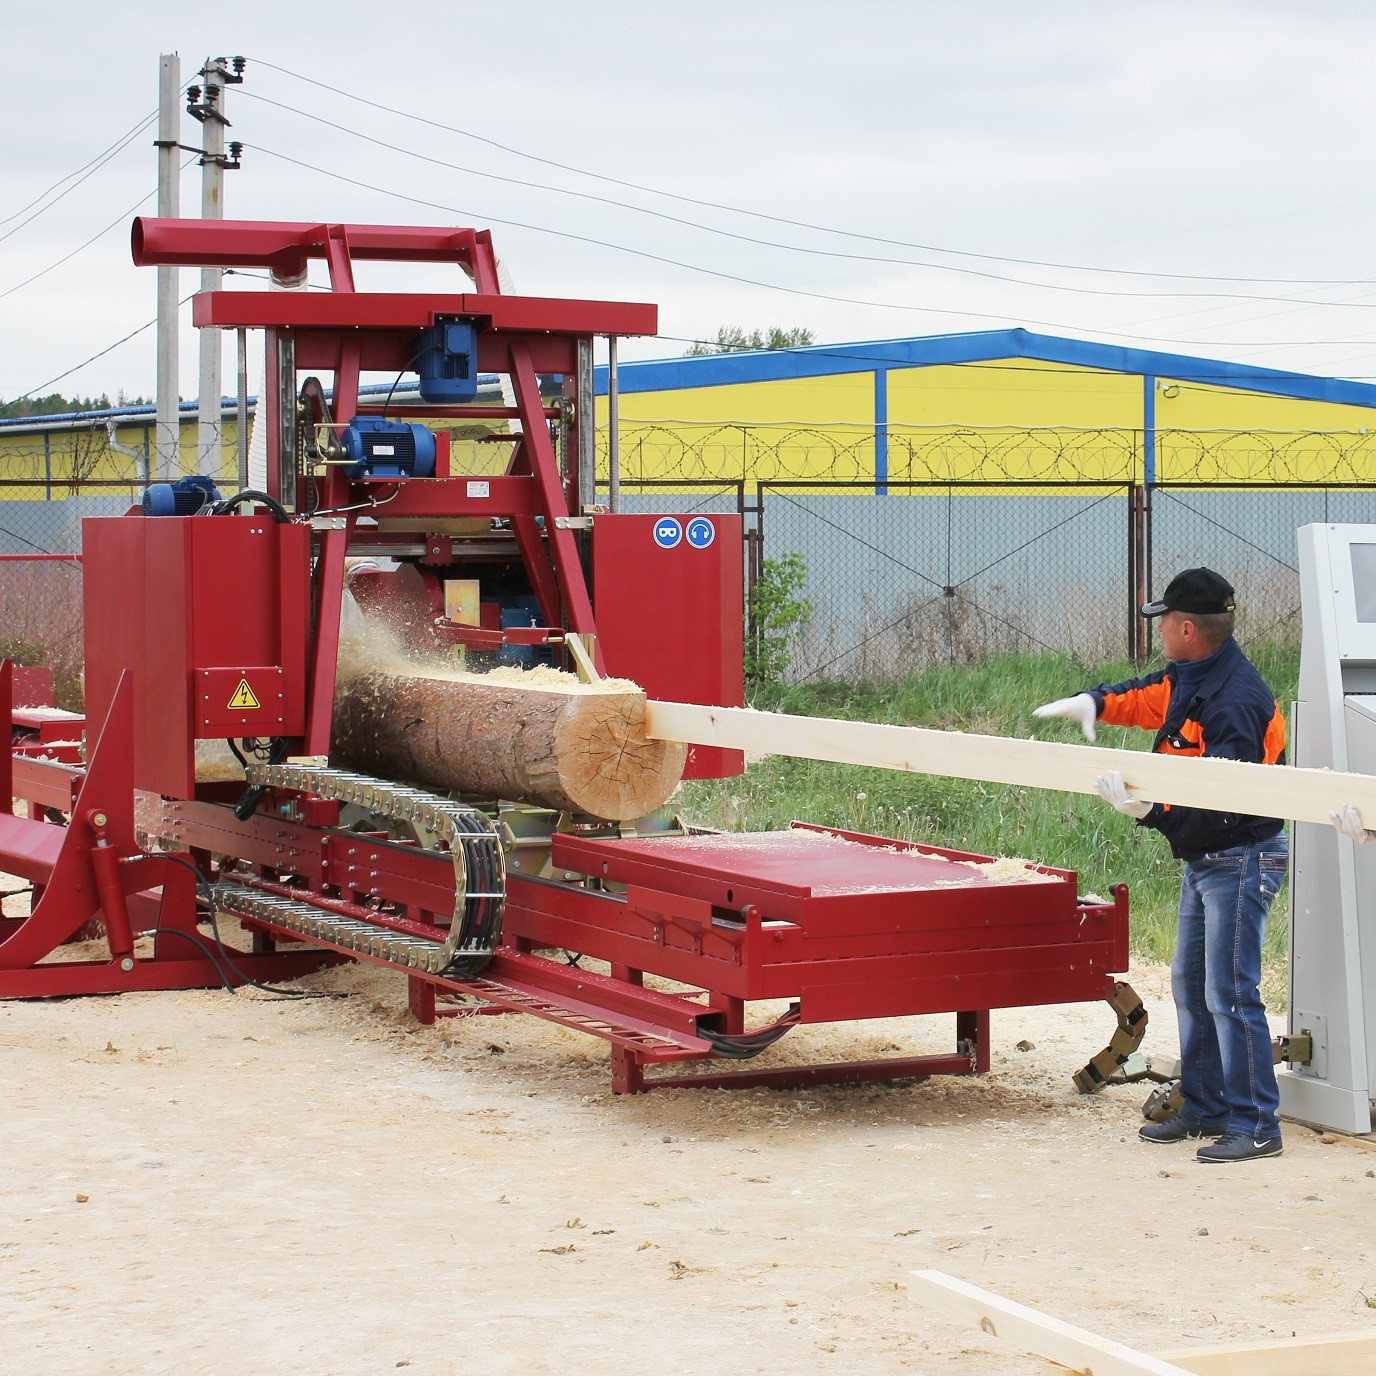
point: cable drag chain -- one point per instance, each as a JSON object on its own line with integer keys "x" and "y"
{"x": 479, "y": 874}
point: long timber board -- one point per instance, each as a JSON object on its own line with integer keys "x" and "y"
{"x": 1303, "y": 795}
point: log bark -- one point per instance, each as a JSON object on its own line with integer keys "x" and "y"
{"x": 579, "y": 748}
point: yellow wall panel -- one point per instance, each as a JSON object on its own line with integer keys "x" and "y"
{"x": 1018, "y": 392}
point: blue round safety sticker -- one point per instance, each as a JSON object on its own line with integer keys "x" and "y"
{"x": 700, "y": 532}
{"x": 668, "y": 532}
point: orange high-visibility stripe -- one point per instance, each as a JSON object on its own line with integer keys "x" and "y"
{"x": 1145, "y": 707}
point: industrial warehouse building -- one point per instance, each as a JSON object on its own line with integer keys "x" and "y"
{"x": 947, "y": 496}
{"x": 955, "y": 495}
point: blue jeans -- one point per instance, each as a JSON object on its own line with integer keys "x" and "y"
{"x": 1227, "y": 1076}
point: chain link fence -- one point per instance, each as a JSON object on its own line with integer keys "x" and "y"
{"x": 970, "y": 543}
{"x": 961, "y": 544}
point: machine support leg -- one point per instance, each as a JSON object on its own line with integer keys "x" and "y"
{"x": 628, "y": 1075}
{"x": 972, "y": 1033}
{"x": 420, "y": 998}
{"x": 732, "y": 1013}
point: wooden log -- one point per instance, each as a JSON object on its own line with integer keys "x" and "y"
{"x": 1306, "y": 795}
{"x": 1034, "y": 1332}
{"x": 540, "y": 738}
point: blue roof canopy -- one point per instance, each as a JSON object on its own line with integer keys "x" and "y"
{"x": 982, "y": 346}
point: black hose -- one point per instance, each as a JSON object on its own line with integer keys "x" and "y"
{"x": 744, "y": 1046}
{"x": 207, "y": 890}
{"x": 250, "y": 494}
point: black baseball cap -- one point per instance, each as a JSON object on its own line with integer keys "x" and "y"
{"x": 1196, "y": 590}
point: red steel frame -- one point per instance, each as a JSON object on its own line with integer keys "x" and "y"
{"x": 839, "y": 934}
{"x": 93, "y": 867}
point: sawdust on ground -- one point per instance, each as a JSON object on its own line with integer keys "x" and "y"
{"x": 206, "y": 1182}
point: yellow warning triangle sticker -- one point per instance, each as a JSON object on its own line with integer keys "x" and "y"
{"x": 243, "y": 697}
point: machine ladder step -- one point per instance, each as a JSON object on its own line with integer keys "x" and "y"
{"x": 651, "y": 1043}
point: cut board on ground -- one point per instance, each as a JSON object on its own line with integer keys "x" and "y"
{"x": 1071, "y": 1351}
{"x": 1339, "y": 1355}
{"x": 1031, "y": 1330}
{"x": 1303, "y": 795}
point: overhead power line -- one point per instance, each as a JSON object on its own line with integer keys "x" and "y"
{"x": 1004, "y": 320}
{"x": 80, "y": 175}
{"x": 803, "y": 224}
{"x": 76, "y": 368}
{"x": 775, "y": 244}
{"x": 99, "y": 234}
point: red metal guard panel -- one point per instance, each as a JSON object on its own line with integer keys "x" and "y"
{"x": 854, "y": 926}
{"x": 668, "y": 593}
{"x": 167, "y": 596}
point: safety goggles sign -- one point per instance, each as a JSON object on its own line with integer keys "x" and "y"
{"x": 670, "y": 532}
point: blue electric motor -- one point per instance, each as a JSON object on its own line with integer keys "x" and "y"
{"x": 446, "y": 357}
{"x": 377, "y": 448}
{"x": 185, "y": 497}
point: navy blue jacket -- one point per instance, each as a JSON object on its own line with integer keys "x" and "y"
{"x": 1218, "y": 707}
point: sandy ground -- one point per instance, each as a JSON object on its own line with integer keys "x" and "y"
{"x": 205, "y": 1182}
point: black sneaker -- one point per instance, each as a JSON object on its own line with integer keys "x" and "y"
{"x": 1240, "y": 1146}
{"x": 1176, "y": 1129}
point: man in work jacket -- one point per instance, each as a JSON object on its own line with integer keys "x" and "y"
{"x": 1209, "y": 700}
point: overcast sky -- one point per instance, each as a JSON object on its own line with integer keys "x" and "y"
{"x": 871, "y": 170}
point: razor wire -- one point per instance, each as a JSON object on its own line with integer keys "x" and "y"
{"x": 921, "y": 545}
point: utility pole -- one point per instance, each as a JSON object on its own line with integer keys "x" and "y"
{"x": 168, "y": 442}
{"x": 206, "y": 104}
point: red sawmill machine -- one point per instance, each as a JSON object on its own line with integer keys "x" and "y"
{"x": 224, "y": 625}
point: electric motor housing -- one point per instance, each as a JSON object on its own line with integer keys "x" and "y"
{"x": 447, "y": 361}
{"x": 185, "y": 497}
{"x": 377, "y": 448}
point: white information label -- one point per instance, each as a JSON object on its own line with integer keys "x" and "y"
{"x": 479, "y": 489}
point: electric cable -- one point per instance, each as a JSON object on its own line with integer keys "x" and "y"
{"x": 147, "y": 325}
{"x": 744, "y": 1046}
{"x": 798, "y": 248}
{"x": 88, "y": 169}
{"x": 1004, "y": 319}
{"x": 251, "y": 494}
{"x": 205, "y": 948}
{"x": 206, "y": 889}
{"x": 43, "y": 272}
{"x": 798, "y": 224}
{"x": 118, "y": 220}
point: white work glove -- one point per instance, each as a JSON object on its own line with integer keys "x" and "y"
{"x": 1080, "y": 709}
{"x": 1349, "y": 824}
{"x": 1111, "y": 788}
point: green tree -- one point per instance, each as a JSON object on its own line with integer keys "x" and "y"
{"x": 54, "y": 404}
{"x": 733, "y": 338}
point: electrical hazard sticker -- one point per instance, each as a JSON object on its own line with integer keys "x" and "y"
{"x": 243, "y": 698}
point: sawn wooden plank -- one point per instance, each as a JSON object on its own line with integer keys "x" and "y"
{"x": 1305, "y": 795}
{"x": 1031, "y": 1330}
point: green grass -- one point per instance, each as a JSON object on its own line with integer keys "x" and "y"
{"x": 1068, "y": 830}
